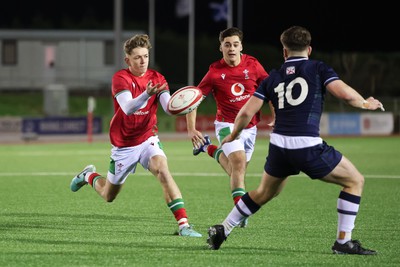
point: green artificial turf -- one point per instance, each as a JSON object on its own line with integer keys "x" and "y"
{"x": 43, "y": 223}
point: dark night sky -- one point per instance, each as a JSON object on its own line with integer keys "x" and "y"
{"x": 333, "y": 25}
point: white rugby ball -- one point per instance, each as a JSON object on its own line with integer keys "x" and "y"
{"x": 185, "y": 100}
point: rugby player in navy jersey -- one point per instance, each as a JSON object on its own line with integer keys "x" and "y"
{"x": 297, "y": 92}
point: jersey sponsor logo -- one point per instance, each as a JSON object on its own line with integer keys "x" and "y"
{"x": 141, "y": 113}
{"x": 223, "y": 76}
{"x": 239, "y": 98}
{"x": 237, "y": 89}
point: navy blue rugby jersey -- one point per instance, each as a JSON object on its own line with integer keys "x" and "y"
{"x": 297, "y": 91}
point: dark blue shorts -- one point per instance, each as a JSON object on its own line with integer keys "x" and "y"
{"x": 316, "y": 161}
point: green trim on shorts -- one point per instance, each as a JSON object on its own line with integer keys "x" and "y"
{"x": 160, "y": 145}
{"x": 224, "y": 132}
{"x": 111, "y": 167}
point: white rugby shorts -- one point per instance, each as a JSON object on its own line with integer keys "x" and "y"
{"x": 123, "y": 160}
{"x": 246, "y": 141}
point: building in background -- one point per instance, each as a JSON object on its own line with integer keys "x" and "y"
{"x": 33, "y": 59}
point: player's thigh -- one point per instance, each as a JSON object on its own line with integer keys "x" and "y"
{"x": 154, "y": 158}
{"x": 345, "y": 174}
{"x": 123, "y": 161}
{"x": 236, "y": 146}
{"x": 245, "y": 143}
{"x": 248, "y": 138}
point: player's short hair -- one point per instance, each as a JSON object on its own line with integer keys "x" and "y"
{"x": 233, "y": 31}
{"x": 296, "y": 38}
{"x": 138, "y": 40}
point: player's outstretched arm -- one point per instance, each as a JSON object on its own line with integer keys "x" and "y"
{"x": 343, "y": 91}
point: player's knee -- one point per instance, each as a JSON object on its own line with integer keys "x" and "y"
{"x": 163, "y": 174}
{"x": 357, "y": 181}
{"x": 238, "y": 163}
{"x": 360, "y": 180}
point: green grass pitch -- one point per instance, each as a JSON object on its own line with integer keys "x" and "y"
{"x": 43, "y": 223}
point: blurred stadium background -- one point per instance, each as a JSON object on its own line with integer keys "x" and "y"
{"x": 53, "y": 64}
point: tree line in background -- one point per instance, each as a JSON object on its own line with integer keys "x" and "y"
{"x": 374, "y": 74}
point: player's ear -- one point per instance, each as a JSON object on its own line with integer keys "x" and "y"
{"x": 285, "y": 53}
{"x": 126, "y": 60}
{"x": 309, "y": 50}
{"x": 220, "y": 48}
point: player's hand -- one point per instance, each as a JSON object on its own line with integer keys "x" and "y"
{"x": 373, "y": 104}
{"x": 152, "y": 89}
{"x": 197, "y": 138}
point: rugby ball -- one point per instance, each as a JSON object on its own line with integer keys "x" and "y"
{"x": 185, "y": 100}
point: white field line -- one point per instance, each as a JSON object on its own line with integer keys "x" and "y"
{"x": 203, "y": 174}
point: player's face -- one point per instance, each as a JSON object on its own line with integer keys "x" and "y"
{"x": 138, "y": 61}
{"x": 231, "y": 48}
